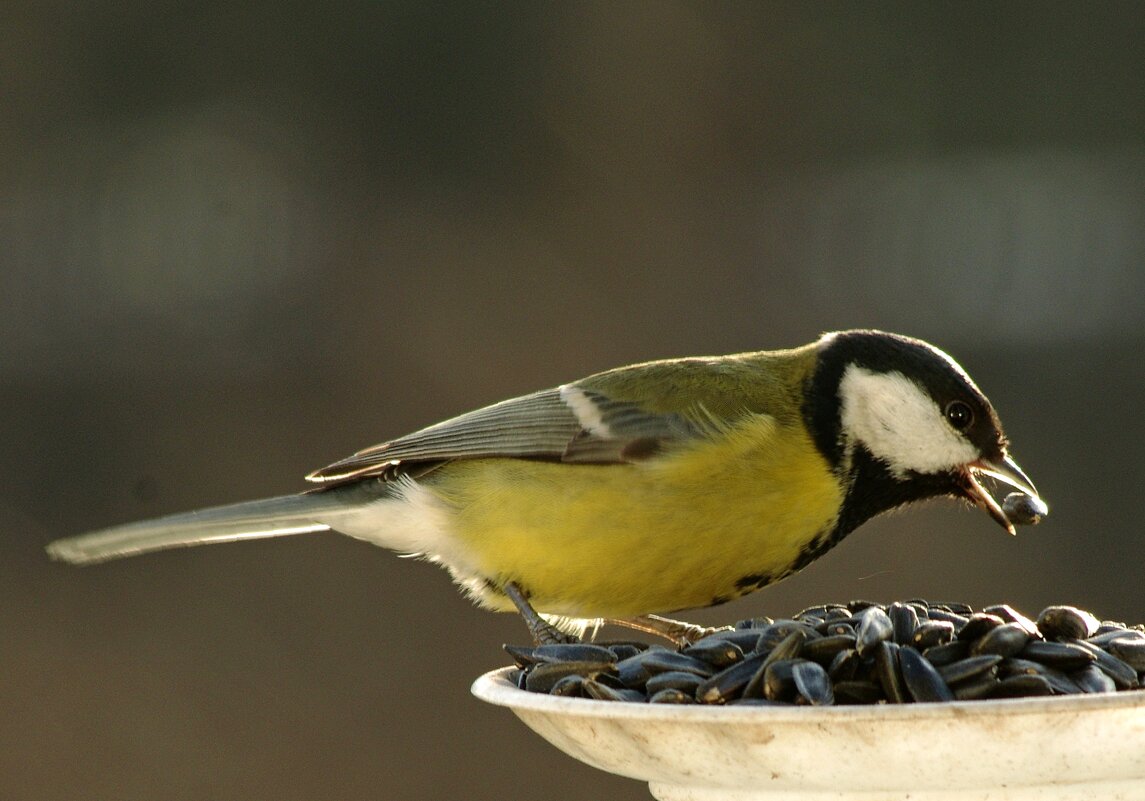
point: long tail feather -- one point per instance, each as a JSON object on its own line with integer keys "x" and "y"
{"x": 271, "y": 517}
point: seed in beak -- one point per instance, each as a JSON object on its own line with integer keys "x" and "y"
{"x": 1024, "y": 507}
{"x": 979, "y": 495}
{"x": 1024, "y": 510}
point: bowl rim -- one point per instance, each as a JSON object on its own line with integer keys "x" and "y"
{"x": 495, "y": 688}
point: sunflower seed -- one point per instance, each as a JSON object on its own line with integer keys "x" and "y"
{"x": 976, "y": 688}
{"x": 779, "y": 681}
{"x": 543, "y": 676}
{"x": 824, "y": 649}
{"x": 1061, "y": 655}
{"x": 1124, "y": 676}
{"x": 1005, "y": 640}
{"x": 1022, "y": 685}
{"x": 904, "y": 620}
{"x": 932, "y": 633}
{"x": 1131, "y": 651}
{"x": 1012, "y": 615}
{"x": 948, "y": 653}
{"x": 813, "y": 683}
{"x": 845, "y": 665}
{"x": 968, "y": 668}
{"x": 602, "y": 692}
{"x": 718, "y": 654}
{"x": 1093, "y": 680}
{"x": 978, "y": 625}
{"x": 874, "y": 627}
{"x": 922, "y": 679}
{"x": 1066, "y": 623}
{"x": 571, "y": 686}
{"x": 857, "y": 692}
{"x": 671, "y": 696}
{"x": 856, "y": 653}
{"x": 673, "y": 680}
{"x": 889, "y": 673}
{"x": 729, "y": 682}
{"x": 1024, "y": 510}
{"x": 560, "y": 652}
{"x": 744, "y": 639}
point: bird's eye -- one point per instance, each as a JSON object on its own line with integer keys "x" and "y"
{"x": 959, "y": 414}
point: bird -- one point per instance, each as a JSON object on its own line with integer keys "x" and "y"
{"x": 647, "y": 489}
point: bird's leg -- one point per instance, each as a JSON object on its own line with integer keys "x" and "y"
{"x": 678, "y": 631}
{"x": 544, "y": 632}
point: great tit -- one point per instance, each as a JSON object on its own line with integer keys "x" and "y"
{"x": 655, "y": 487}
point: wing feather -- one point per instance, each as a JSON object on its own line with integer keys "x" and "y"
{"x": 566, "y": 423}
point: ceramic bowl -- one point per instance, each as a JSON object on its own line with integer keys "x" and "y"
{"x": 1088, "y": 747}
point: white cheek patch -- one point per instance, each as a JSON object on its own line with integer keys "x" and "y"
{"x": 587, "y": 413}
{"x": 900, "y": 423}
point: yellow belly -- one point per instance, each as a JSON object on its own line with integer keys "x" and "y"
{"x": 697, "y": 526}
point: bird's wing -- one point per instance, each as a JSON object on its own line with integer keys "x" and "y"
{"x": 572, "y": 423}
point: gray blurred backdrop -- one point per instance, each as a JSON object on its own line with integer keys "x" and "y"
{"x": 240, "y": 240}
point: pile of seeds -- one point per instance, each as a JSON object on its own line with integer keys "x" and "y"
{"x": 854, "y": 653}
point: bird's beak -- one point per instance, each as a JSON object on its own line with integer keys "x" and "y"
{"x": 1004, "y": 469}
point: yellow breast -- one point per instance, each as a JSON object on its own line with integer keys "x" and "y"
{"x": 699, "y": 525}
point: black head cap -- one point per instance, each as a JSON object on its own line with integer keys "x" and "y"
{"x": 900, "y": 421}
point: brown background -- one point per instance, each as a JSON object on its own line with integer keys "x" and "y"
{"x": 241, "y": 240}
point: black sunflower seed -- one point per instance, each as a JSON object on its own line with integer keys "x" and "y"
{"x": 718, "y": 653}
{"x": 922, "y": 679}
{"x": 1022, "y": 685}
{"x": 1061, "y": 655}
{"x": 671, "y": 696}
{"x": 1066, "y": 623}
{"x": 824, "y": 649}
{"x": 889, "y": 673}
{"x": 874, "y": 627}
{"x": 1093, "y": 679}
{"x": 858, "y": 653}
{"x": 673, "y": 680}
{"x": 729, "y": 682}
{"x": 964, "y": 669}
{"x": 812, "y": 683}
{"x": 904, "y": 620}
{"x": 1004, "y": 640}
{"x": 947, "y": 653}
{"x": 858, "y": 692}
{"x": 1130, "y": 650}
{"x": 978, "y": 625}
{"x": 1012, "y": 615}
{"x": 932, "y": 633}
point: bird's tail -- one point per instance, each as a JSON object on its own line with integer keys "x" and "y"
{"x": 271, "y": 517}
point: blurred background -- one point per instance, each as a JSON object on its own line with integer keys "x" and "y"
{"x": 239, "y": 241}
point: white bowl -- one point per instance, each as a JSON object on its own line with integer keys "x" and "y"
{"x": 1088, "y": 747}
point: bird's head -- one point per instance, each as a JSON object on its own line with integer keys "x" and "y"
{"x": 910, "y": 423}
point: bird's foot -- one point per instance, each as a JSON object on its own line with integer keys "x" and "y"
{"x": 544, "y": 632}
{"x": 678, "y": 631}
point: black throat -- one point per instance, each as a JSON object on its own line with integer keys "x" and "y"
{"x": 872, "y": 489}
